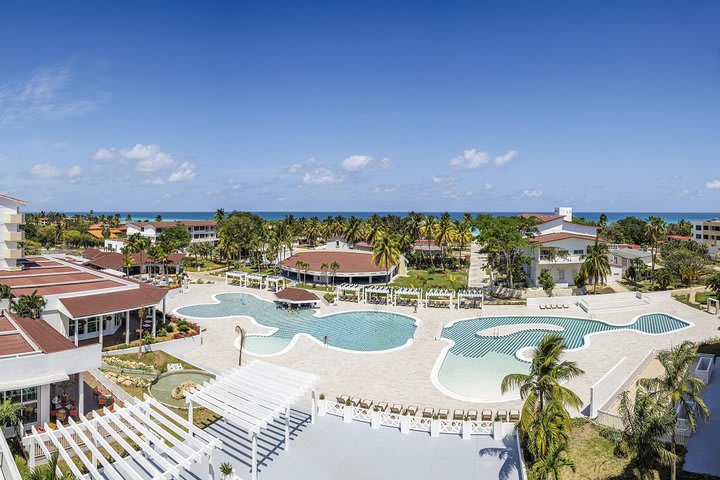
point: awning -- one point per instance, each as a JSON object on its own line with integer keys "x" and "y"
{"x": 34, "y": 381}
{"x": 114, "y": 302}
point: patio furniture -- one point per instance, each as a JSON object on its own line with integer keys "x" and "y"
{"x": 61, "y": 415}
{"x": 514, "y": 415}
{"x": 443, "y": 413}
{"x": 382, "y": 406}
{"x": 428, "y": 412}
{"x": 502, "y": 415}
{"x": 396, "y": 408}
{"x": 472, "y": 415}
{"x": 412, "y": 410}
{"x": 458, "y": 415}
{"x": 342, "y": 399}
{"x": 366, "y": 403}
{"x": 354, "y": 401}
{"x": 486, "y": 415}
{"x": 104, "y": 400}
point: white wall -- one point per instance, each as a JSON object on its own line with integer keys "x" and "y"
{"x": 7, "y": 207}
{"x": 68, "y": 362}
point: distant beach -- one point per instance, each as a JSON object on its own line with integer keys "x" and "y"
{"x": 670, "y": 217}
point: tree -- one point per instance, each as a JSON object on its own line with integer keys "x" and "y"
{"x": 128, "y": 259}
{"x": 637, "y": 270}
{"x": 10, "y": 413}
{"x": 654, "y": 232}
{"x": 334, "y": 266}
{"x": 30, "y": 306}
{"x": 544, "y": 381}
{"x": 219, "y": 215}
{"x": 353, "y": 231}
{"x": 506, "y": 237}
{"x": 5, "y": 291}
{"x": 444, "y": 233}
{"x": 176, "y": 237}
{"x": 386, "y": 253}
{"x": 324, "y": 266}
{"x": 195, "y": 250}
{"x": 546, "y": 281}
{"x": 374, "y": 229}
{"x": 679, "y": 389}
{"x": 428, "y": 226}
{"x": 300, "y": 265}
{"x": 50, "y": 470}
{"x": 602, "y": 224}
{"x": 645, "y": 423}
{"x": 551, "y": 465}
{"x": 664, "y": 278}
{"x": 596, "y": 265}
{"x": 712, "y": 283}
{"x": 158, "y": 218}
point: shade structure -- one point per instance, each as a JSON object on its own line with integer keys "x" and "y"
{"x": 473, "y": 294}
{"x": 378, "y": 290}
{"x": 439, "y": 293}
{"x": 253, "y": 396}
{"x": 151, "y": 442}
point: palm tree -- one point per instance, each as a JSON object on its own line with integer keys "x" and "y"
{"x": 443, "y": 235}
{"x": 645, "y": 423}
{"x": 5, "y": 291}
{"x": 353, "y": 231}
{"x": 386, "y": 253}
{"x": 219, "y": 215}
{"x": 334, "y": 266}
{"x": 30, "y": 306}
{"x": 374, "y": 229}
{"x": 681, "y": 390}
{"x": 551, "y": 465}
{"x": 10, "y": 413}
{"x": 543, "y": 383}
{"x": 596, "y": 265}
{"x": 324, "y": 266}
{"x": 163, "y": 255}
{"x": 602, "y": 224}
{"x": 141, "y": 314}
{"x": 195, "y": 250}
{"x": 241, "y": 335}
{"x": 427, "y": 229}
{"x": 128, "y": 259}
{"x": 49, "y": 471}
{"x": 712, "y": 283}
{"x": 654, "y": 232}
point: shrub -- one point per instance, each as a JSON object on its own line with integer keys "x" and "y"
{"x": 162, "y": 332}
{"x": 184, "y": 328}
{"x": 546, "y": 281}
{"x": 182, "y": 322}
{"x": 148, "y": 339}
{"x": 170, "y": 327}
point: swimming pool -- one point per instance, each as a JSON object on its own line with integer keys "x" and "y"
{"x": 360, "y": 331}
{"x": 474, "y": 366}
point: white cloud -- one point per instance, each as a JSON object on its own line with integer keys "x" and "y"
{"x": 149, "y": 158}
{"x": 440, "y": 179}
{"x": 321, "y": 176}
{"x": 356, "y": 163}
{"x": 534, "y": 193}
{"x": 154, "y": 181}
{"x": 104, "y": 154}
{"x": 185, "y": 173}
{"x": 387, "y": 163}
{"x": 43, "y": 170}
{"x": 470, "y": 160}
{"x": 295, "y": 168}
{"x": 713, "y": 184}
{"x": 488, "y": 187}
{"x": 385, "y": 189}
{"x": 75, "y": 171}
{"x": 501, "y": 160}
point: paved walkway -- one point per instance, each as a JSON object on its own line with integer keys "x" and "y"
{"x": 702, "y": 456}
{"x": 476, "y": 272}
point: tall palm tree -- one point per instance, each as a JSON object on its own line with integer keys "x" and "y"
{"x": 443, "y": 235}
{"x": 374, "y": 229}
{"x": 679, "y": 388}
{"x": 544, "y": 381}
{"x": 163, "y": 255}
{"x": 654, "y": 232}
{"x": 10, "y": 413}
{"x": 49, "y": 471}
{"x": 386, "y": 253}
{"x": 128, "y": 259}
{"x": 596, "y": 264}
{"x": 324, "y": 266}
{"x": 241, "y": 335}
{"x": 602, "y": 224}
{"x": 353, "y": 230}
{"x": 219, "y": 215}
{"x": 142, "y": 311}
{"x": 427, "y": 229}
{"x": 334, "y": 266}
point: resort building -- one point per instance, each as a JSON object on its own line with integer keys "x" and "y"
{"x": 114, "y": 262}
{"x": 707, "y": 232}
{"x": 352, "y": 267}
{"x": 622, "y": 257}
{"x": 10, "y": 221}
{"x": 426, "y": 246}
{"x": 200, "y": 230}
{"x": 339, "y": 243}
{"x": 558, "y": 247}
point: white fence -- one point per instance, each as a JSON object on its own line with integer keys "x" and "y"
{"x": 173, "y": 347}
{"x": 8, "y": 469}
{"x": 605, "y": 391}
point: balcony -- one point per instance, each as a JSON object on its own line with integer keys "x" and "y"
{"x": 14, "y": 236}
{"x": 546, "y": 260}
{"x": 12, "y": 253}
{"x": 15, "y": 218}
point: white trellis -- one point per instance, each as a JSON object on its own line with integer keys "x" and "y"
{"x": 376, "y": 291}
{"x": 340, "y": 291}
{"x": 235, "y": 276}
{"x": 163, "y": 443}
{"x": 407, "y": 292}
{"x": 253, "y": 396}
{"x": 439, "y": 294}
{"x": 277, "y": 282}
{"x": 473, "y": 294}
{"x": 716, "y": 303}
{"x": 252, "y": 279}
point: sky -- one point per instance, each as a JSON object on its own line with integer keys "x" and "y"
{"x": 357, "y": 106}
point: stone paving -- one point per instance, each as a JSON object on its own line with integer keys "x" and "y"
{"x": 404, "y": 376}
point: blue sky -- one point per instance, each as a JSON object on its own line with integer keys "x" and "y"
{"x": 476, "y": 106}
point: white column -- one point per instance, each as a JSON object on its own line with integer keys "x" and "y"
{"x": 127, "y": 327}
{"x": 154, "y": 314}
{"x": 102, "y": 329}
{"x": 190, "y": 412}
{"x": 81, "y": 394}
{"x": 76, "y": 331}
{"x": 253, "y": 464}
{"x": 44, "y": 395}
{"x": 164, "y": 310}
{"x": 313, "y": 406}
{"x": 287, "y": 428}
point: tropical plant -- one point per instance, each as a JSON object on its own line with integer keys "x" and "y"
{"x": 334, "y": 266}
{"x": 50, "y": 471}
{"x": 546, "y": 281}
{"x": 30, "y": 306}
{"x": 5, "y": 291}
{"x": 386, "y": 254}
{"x": 596, "y": 265}
{"x": 226, "y": 469}
{"x": 10, "y": 413}
{"x": 128, "y": 259}
{"x": 677, "y": 387}
{"x": 323, "y": 267}
{"x": 654, "y": 232}
{"x": 551, "y": 465}
{"x": 637, "y": 270}
{"x": 219, "y": 215}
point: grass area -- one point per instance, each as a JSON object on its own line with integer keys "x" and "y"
{"x": 702, "y": 297}
{"x": 204, "y": 265}
{"x": 426, "y": 279}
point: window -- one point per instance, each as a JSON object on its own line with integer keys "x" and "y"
{"x": 698, "y": 227}
{"x": 25, "y": 396}
{"x": 561, "y": 275}
{"x": 92, "y": 325}
{"x": 578, "y": 252}
{"x": 698, "y": 236}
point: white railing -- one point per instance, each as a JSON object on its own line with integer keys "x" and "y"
{"x": 335, "y": 408}
{"x": 420, "y": 424}
{"x": 8, "y": 468}
{"x": 390, "y": 419}
{"x": 361, "y": 414}
{"x": 481, "y": 428}
{"x": 451, "y": 426}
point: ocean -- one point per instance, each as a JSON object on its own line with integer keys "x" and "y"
{"x": 670, "y": 217}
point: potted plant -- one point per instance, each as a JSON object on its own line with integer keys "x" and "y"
{"x": 466, "y": 427}
{"x": 226, "y": 470}
{"x": 435, "y": 426}
{"x": 322, "y": 405}
{"x": 405, "y": 422}
{"x": 375, "y": 418}
{"x": 348, "y": 411}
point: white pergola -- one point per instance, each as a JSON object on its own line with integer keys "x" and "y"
{"x": 440, "y": 293}
{"x": 278, "y": 283}
{"x": 408, "y": 292}
{"x": 233, "y": 275}
{"x": 164, "y": 444}
{"x": 716, "y": 303}
{"x": 253, "y": 396}
{"x": 348, "y": 287}
{"x": 473, "y": 294}
{"x": 252, "y": 278}
{"x": 378, "y": 290}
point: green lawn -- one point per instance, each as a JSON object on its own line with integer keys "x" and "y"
{"x": 425, "y": 279}
{"x": 702, "y": 297}
{"x": 157, "y": 359}
{"x": 204, "y": 265}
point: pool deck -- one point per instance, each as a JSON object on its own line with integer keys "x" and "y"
{"x": 702, "y": 456}
{"x": 404, "y": 376}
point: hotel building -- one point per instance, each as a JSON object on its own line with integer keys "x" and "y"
{"x": 200, "y": 230}
{"x": 707, "y": 232}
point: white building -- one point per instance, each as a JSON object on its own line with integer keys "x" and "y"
{"x": 10, "y": 233}
{"x": 558, "y": 247}
{"x": 707, "y": 232}
{"x": 622, "y": 257}
{"x": 200, "y": 230}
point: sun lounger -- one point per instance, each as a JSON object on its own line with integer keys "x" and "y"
{"x": 458, "y": 415}
{"x": 366, "y": 403}
{"x": 472, "y": 414}
{"x": 382, "y": 406}
{"x": 396, "y": 408}
{"x": 412, "y": 410}
{"x": 443, "y": 413}
{"x": 565, "y": 305}
{"x": 543, "y": 306}
{"x": 514, "y": 415}
{"x": 342, "y": 399}
{"x": 354, "y": 401}
{"x": 502, "y": 415}
{"x": 486, "y": 415}
{"x": 428, "y": 412}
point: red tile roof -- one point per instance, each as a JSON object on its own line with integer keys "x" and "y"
{"x": 554, "y": 237}
{"x": 115, "y": 260}
{"x": 679, "y": 237}
{"x": 296, "y": 295}
{"x": 69, "y": 288}
{"x": 90, "y": 305}
{"x": 12, "y": 344}
{"x": 543, "y": 217}
{"x": 41, "y": 333}
{"x": 350, "y": 262}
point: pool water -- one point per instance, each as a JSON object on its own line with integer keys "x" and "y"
{"x": 362, "y": 331}
{"x": 164, "y": 386}
{"x": 476, "y": 364}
